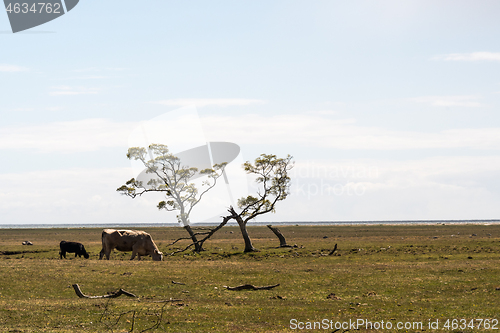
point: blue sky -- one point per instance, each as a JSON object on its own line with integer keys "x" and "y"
{"x": 390, "y": 108}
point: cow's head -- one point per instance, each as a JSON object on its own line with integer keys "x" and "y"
{"x": 86, "y": 255}
{"x": 157, "y": 255}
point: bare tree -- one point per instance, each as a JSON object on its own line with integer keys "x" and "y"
{"x": 274, "y": 183}
{"x": 167, "y": 174}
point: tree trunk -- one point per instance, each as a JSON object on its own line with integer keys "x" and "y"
{"x": 197, "y": 246}
{"x": 280, "y": 236}
{"x": 243, "y": 227}
{"x": 248, "y": 242}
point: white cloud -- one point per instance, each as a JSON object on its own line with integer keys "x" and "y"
{"x": 474, "y": 56}
{"x": 53, "y": 108}
{"x": 22, "y": 110}
{"x": 76, "y": 196}
{"x": 201, "y": 102}
{"x": 65, "y": 90}
{"x": 98, "y": 69}
{"x": 12, "y": 68}
{"x": 301, "y": 130}
{"x": 89, "y": 69}
{"x": 452, "y": 187}
{"x": 69, "y": 136}
{"x": 470, "y": 101}
{"x": 90, "y": 77}
{"x": 324, "y": 112}
{"x": 329, "y": 189}
{"x": 317, "y": 131}
{"x": 380, "y": 202}
{"x": 82, "y": 196}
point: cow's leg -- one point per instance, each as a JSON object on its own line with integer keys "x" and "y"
{"x": 104, "y": 252}
{"x": 62, "y": 253}
{"x": 107, "y": 253}
{"x": 135, "y": 252}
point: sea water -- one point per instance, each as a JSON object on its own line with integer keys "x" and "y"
{"x": 209, "y": 224}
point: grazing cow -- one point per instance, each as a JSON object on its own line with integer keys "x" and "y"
{"x": 139, "y": 242}
{"x": 72, "y": 247}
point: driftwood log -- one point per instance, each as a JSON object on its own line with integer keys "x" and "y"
{"x": 333, "y": 251}
{"x": 112, "y": 295}
{"x": 251, "y": 287}
{"x": 280, "y": 236}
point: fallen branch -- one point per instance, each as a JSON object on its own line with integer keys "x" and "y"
{"x": 113, "y": 295}
{"x": 251, "y": 287}
{"x": 208, "y": 235}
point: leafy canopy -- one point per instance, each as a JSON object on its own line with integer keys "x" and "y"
{"x": 274, "y": 184}
{"x": 171, "y": 177}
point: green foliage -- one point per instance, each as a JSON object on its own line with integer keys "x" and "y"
{"x": 272, "y": 174}
{"x": 170, "y": 178}
{"x": 250, "y": 200}
{"x": 165, "y": 204}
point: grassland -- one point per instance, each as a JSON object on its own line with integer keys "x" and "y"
{"x": 407, "y": 274}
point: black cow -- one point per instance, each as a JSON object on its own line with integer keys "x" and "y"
{"x": 72, "y": 247}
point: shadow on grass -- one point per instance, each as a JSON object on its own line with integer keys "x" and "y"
{"x": 8, "y": 253}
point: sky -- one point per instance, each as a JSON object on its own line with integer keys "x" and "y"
{"x": 391, "y": 109}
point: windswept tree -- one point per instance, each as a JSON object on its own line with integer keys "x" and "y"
{"x": 273, "y": 185}
{"x": 166, "y": 174}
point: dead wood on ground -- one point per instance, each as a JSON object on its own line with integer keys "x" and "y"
{"x": 112, "y": 295}
{"x": 251, "y": 287}
{"x": 333, "y": 251}
{"x": 181, "y": 283}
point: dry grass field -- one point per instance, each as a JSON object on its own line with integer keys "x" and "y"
{"x": 414, "y": 278}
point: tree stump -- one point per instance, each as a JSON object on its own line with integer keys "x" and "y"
{"x": 280, "y": 236}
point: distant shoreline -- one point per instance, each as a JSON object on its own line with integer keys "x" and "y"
{"x": 283, "y": 223}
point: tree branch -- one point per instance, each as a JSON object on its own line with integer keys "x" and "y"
{"x": 113, "y": 295}
{"x": 208, "y": 235}
{"x": 251, "y": 287}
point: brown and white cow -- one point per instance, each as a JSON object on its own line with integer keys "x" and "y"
{"x": 139, "y": 242}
